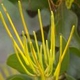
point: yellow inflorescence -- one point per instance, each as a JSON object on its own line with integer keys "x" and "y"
{"x": 41, "y": 62}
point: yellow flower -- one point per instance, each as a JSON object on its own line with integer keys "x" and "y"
{"x": 40, "y": 61}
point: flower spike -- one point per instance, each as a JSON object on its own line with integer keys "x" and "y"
{"x": 40, "y": 61}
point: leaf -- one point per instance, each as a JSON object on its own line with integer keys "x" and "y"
{"x": 68, "y": 77}
{"x": 19, "y": 77}
{"x": 13, "y": 1}
{"x": 76, "y": 9}
{"x": 33, "y": 4}
{"x": 64, "y": 20}
{"x": 75, "y": 51}
{"x": 74, "y": 66}
{"x": 65, "y": 62}
{"x": 13, "y": 62}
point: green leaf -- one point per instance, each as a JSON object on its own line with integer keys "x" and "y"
{"x": 75, "y": 51}
{"x": 68, "y": 77}
{"x": 14, "y": 1}
{"x": 13, "y": 62}
{"x": 33, "y": 4}
{"x": 64, "y": 20}
{"x": 74, "y": 66}
{"x": 65, "y": 62}
{"x": 76, "y": 9}
{"x": 19, "y": 77}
